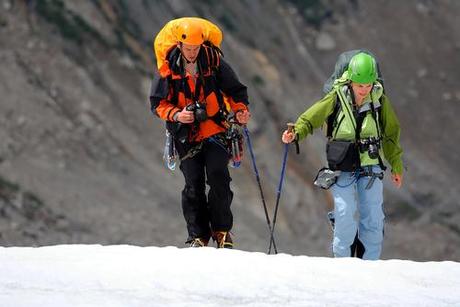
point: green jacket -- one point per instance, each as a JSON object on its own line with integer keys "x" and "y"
{"x": 317, "y": 114}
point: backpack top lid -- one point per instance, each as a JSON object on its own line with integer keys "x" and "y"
{"x": 342, "y": 64}
{"x": 171, "y": 34}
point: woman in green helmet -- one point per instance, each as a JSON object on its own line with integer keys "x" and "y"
{"x": 363, "y": 131}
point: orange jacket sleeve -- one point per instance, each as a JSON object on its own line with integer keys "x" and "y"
{"x": 166, "y": 110}
{"x": 237, "y": 106}
{"x": 160, "y": 99}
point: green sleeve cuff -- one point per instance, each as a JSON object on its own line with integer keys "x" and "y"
{"x": 397, "y": 168}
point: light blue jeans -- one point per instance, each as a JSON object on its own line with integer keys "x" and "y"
{"x": 358, "y": 210}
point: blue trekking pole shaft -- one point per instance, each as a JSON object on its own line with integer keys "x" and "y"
{"x": 248, "y": 139}
{"x": 280, "y": 185}
{"x": 278, "y": 193}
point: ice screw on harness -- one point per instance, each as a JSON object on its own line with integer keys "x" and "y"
{"x": 170, "y": 153}
{"x": 235, "y": 138}
{"x": 249, "y": 144}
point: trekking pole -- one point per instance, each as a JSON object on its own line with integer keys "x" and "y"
{"x": 248, "y": 140}
{"x": 280, "y": 185}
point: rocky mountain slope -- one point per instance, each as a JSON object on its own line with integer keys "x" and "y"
{"x": 80, "y": 156}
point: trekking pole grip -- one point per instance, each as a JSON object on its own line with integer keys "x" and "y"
{"x": 291, "y": 129}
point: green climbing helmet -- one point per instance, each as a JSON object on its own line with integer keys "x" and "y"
{"x": 362, "y": 69}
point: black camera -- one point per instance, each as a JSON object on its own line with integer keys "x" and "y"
{"x": 372, "y": 145}
{"x": 199, "y": 111}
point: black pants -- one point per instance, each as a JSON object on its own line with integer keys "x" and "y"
{"x": 203, "y": 214}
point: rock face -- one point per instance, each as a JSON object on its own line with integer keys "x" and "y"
{"x": 77, "y": 134}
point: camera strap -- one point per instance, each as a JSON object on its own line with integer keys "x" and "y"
{"x": 359, "y": 117}
{"x": 377, "y": 122}
{"x": 217, "y": 118}
{"x": 199, "y": 83}
{"x": 221, "y": 116}
{"x": 359, "y": 124}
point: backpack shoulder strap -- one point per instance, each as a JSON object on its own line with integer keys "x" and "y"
{"x": 332, "y": 118}
{"x": 376, "y": 114}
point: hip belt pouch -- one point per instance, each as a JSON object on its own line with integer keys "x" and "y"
{"x": 342, "y": 155}
{"x": 326, "y": 178}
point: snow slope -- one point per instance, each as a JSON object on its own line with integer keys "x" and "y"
{"x": 94, "y": 275}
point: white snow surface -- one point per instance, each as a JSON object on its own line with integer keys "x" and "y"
{"x": 125, "y": 276}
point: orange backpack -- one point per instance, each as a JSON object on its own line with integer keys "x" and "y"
{"x": 166, "y": 40}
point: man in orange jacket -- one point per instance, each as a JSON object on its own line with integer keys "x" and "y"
{"x": 191, "y": 97}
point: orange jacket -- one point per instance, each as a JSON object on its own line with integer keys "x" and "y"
{"x": 171, "y": 94}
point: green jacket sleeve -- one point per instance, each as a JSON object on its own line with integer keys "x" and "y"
{"x": 390, "y": 134}
{"x": 315, "y": 116}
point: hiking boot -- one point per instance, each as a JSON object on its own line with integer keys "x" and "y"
{"x": 198, "y": 242}
{"x": 223, "y": 239}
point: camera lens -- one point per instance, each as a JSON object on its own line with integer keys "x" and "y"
{"x": 373, "y": 151}
{"x": 199, "y": 111}
{"x": 200, "y": 115}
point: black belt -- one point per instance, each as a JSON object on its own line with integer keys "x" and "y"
{"x": 366, "y": 171}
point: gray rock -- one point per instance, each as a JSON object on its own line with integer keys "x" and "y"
{"x": 325, "y": 42}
